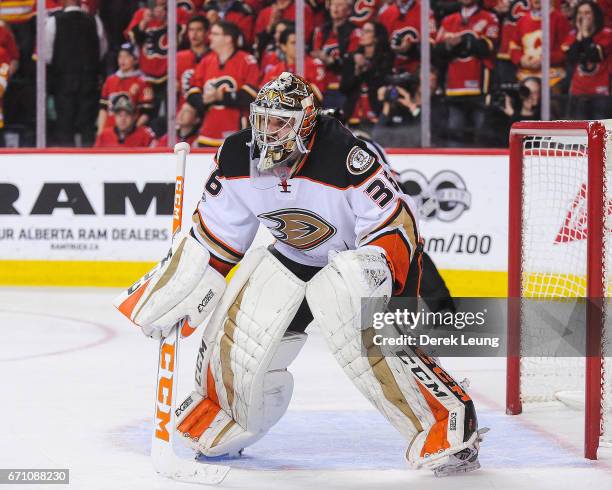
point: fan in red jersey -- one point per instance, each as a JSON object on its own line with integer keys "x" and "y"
{"x": 126, "y": 82}
{"x": 5, "y": 69}
{"x": 332, "y": 41}
{"x": 188, "y": 59}
{"x": 148, "y": 30}
{"x": 125, "y": 133}
{"x": 402, "y": 20}
{"x": 526, "y": 47}
{"x": 588, "y": 52}
{"x": 280, "y": 10}
{"x": 314, "y": 71}
{"x": 8, "y": 43}
{"x": 187, "y": 127}
{"x": 234, "y": 11}
{"x": 223, "y": 85}
{"x": 466, "y": 42}
{"x": 508, "y": 12}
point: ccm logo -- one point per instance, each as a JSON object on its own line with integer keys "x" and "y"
{"x": 452, "y": 423}
{"x": 164, "y": 392}
{"x": 178, "y": 198}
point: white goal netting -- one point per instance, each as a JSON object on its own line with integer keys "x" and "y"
{"x": 554, "y": 274}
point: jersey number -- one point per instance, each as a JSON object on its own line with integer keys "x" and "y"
{"x": 213, "y": 186}
{"x": 379, "y": 192}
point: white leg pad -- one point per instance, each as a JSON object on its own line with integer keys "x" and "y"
{"x": 242, "y": 385}
{"x": 417, "y": 397}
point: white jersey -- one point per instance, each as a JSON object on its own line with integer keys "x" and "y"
{"x": 339, "y": 197}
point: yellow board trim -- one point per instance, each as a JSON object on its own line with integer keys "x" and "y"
{"x": 461, "y": 283}
{"x": 71, "y": 273}
{"x": 477, "y": 284}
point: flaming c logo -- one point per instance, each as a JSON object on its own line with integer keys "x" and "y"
{"x": 299, "y": 228}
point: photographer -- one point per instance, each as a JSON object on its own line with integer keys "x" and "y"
{"x": 399, "y": 121}
{"x": 364, "y": 71}
{"x": 466, "y": 44}
{"x": 514, "y": 102}
{"x": 588, "y": 51}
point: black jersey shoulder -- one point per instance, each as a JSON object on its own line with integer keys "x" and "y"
{"x": 337, "y": 157}
{"x": 233, "y": 156}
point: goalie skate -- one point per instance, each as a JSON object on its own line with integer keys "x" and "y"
{"x": 463, "y": 461}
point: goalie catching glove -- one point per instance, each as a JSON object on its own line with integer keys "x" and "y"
{"x": 182, "y": 286}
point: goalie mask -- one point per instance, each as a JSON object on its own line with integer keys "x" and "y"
{"x": 283, "y": 117}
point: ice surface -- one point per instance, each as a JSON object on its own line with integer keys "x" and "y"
{"x": 77, "y": 384}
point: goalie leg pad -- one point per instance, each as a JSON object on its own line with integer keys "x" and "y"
{"x": 418, "y": 398}
{"x": 242, "y": 384}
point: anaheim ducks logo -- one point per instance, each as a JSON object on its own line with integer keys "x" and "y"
{"x": 299, "y": 228}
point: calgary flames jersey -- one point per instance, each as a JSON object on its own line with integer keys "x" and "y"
{"x": 340, "y": 197}
{"x": 518, "y": 8}
{"x": 238, "y": 73}
{"x": 470, "y": 75}
{"x": 153, "y": 42}
{"x": 138, "y": 137}
{"x": 593, "y": 77}
{"x": 406, "y": 25}
{"x": 527, "y": 41}
{"x": 131, "y": 85}
{"x": 328, "y": 43}
{"x": 186, "y": 62}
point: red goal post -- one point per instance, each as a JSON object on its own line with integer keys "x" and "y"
{"x": 536, "y": 144}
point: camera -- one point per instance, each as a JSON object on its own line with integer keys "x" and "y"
{"x": 407, "y": 81}
{"x": 516, "y": 92}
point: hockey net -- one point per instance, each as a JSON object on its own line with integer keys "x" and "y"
{"x": 558, "y": 177}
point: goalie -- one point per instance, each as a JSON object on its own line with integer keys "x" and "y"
{"x": 344, "y": 231}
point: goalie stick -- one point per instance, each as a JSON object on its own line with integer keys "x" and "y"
{"x": 164, "y": 459}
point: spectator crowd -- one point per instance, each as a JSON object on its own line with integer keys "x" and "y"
{"x": 107, "y": 67}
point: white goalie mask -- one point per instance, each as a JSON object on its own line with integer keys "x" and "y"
{"x": 283, "y": 117}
